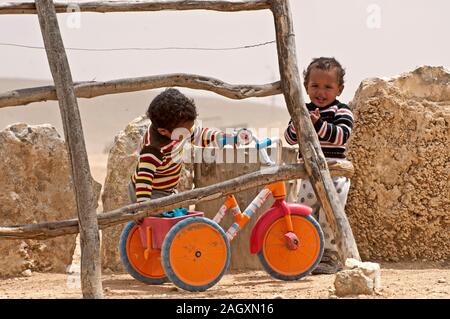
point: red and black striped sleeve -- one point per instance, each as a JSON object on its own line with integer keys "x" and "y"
{"x": 205, "y": 137}
{"x": 150, "y": 159}
{"x": 290, "y": 134}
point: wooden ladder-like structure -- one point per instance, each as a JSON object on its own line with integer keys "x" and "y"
{"x": 315, "y": 166}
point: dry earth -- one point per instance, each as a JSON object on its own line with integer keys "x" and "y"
{"x": 405, "y": 280}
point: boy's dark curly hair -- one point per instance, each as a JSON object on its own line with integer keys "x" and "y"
{"x": 325, "y": 64}
{"x": 171, "y": 108}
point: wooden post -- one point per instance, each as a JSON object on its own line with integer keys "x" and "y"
{"x": 315, "y": 163}
{"x": 91, "y": 284}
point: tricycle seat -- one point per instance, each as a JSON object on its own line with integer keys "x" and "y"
{"x": 158, "y": 227}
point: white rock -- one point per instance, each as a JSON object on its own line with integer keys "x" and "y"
{"x": 353, "y": 282}
{"x": 370, "y": 269}
{"x": 73, "y": 269}
{"x": 27, "y": 273}
{"x": 351, "y": 263}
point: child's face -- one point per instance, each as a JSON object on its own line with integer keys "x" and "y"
{"x": 323, "y": 87}
{"x": 182, "y": 130}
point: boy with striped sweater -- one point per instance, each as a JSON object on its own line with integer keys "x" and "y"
{"x": 333, "y": 122}
{"x": 172, "y": 117}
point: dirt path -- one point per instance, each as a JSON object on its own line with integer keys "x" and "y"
{"x": 398, "y": 281}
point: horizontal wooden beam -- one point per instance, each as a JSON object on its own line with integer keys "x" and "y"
{"x": 154, "y": 207}
{"x": 93, "y": 88}
{"x": 136, "y": 6}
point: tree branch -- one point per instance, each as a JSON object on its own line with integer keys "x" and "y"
{"x": 93, "y": 89}
{"x": 124, "y": 6}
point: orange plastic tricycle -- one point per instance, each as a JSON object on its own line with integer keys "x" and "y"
{"x": 193, "y": 251}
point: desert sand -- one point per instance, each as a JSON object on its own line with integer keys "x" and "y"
{"x": 398, "y": 281}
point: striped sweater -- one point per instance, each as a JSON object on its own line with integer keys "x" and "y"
{"x": 333, "y": 128}
{"x": 160, "y": 159}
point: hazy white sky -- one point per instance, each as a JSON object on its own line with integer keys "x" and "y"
{"x": 369, "y": 37}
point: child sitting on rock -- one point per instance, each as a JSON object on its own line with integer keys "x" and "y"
{"x": 333, "y": 122}
{"x": 158, "y": 171}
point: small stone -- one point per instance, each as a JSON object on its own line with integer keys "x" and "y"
{"x": 442, "y": 281}
{"x": 278, "y": 297}
{"x": 26, "y": 273}
{"x": 73, "y": 268}
{"x": 353, "y": 282}
{"x": 107, "y": 289}
{"x": 378, "y": 292}
{"x": 371, "y": 270}
{"x": 175, "y": 289}
{"x": 333, "y": 297}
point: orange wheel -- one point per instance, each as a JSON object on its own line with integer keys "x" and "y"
{"x": 284, "y": 263}
{"x": 195, "y": 254}
{"x": 148, "y": 270}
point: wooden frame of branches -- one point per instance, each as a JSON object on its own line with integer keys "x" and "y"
{"x": 315, "y": 167}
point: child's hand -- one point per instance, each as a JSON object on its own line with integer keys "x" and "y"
{"x": 314, "y": 115}
{"x": 244, "y": 136}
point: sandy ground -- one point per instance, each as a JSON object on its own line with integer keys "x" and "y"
{"x": 405, "y": 280}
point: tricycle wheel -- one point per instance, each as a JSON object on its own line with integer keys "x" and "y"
{"x": 147, "y": 270}
{"x": 195, "y": 254}
{"x": 283, "y": 263}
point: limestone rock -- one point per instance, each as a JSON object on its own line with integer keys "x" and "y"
{"x": 36, "y": 184}
{"x": 358, "y": 278}
{"x": 122, "y": 161}
{"x": 398, "y": 204}
{"x": 353, "y": 282}
{"x": 371, "y": 270}
{"x": 27, "y": 273}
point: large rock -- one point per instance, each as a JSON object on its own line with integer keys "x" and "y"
{"x": 399, "y": 203}
{"x": 122, "y": 161}
{"x": 358, "y": 278}
{"x": 36, "y": 186}
{"x": 352, "y": 282}
{"x": 371, "y": 270}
